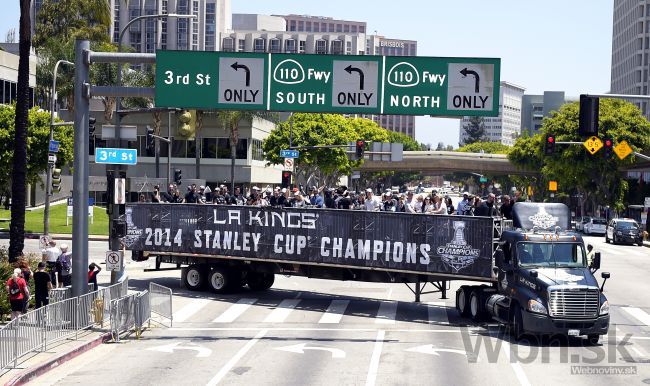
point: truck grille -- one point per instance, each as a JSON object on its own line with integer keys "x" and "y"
{"x": 574, "y": 303}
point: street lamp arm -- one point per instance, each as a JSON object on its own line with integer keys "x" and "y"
{"x": 156, "y": 16}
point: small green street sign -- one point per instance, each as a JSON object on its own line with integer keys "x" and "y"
{"x": 328, "y": 83}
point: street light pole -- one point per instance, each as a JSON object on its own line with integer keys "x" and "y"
{"x": 114, "y": 242}
{"x": 50, "y": 166}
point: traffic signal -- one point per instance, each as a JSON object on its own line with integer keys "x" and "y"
{"x": 608, "y": 148}
{"x": 588, "y": 118}
{"x": 360, "y": 148}
{"x": 286, "y": 179}
{"x": 549, "y": 145}
{"x": 187, "y": 124}
{"x": 56, "y": 180}
{"x": 150, "y": 140}
{"x": 91, "y": 126}
{"x": 178, "y": 176}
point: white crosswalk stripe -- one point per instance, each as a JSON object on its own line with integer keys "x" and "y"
{"x": 335, "y": 311}
{"x": 386, "y": 313}
{"x": 282, "y": 311}
{"x": 189, "y": 309}
{"x": 639, "y": 314}
{"x": 234, "y": 311}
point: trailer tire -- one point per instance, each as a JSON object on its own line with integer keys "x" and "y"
{"x": 476, "y": 312}
{"x": 219, "y": 280}
{"x": 260, "y": 281}
{"x": 461, "y": 302}
{"x": 194, "y": 277}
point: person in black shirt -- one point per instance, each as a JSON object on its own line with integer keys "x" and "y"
{"x": 177, "y": 198}
{"x": 192, "y": 197}
{"x": 330, "y": 202}
{"x": 506, "y": 207}
{"x": 237, "y": 198}
{"x": 344, "y": 202}
{"x": 168, "y": 196}
{"x": 42, "y": 286}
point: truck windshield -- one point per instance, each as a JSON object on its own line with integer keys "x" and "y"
{"x": 556, "y": 255}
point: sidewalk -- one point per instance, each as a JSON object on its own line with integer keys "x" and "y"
{"x": 35, "y": 364}
{"x": 55, "y": 236}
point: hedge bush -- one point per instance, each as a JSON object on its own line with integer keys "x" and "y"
{"x": 6, "y": 270}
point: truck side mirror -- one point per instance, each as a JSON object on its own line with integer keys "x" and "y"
{"x": 605, "y": 276}
{"x": 595, "y": 263}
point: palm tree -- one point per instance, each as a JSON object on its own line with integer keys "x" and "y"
{"x": 18, "y": 174}
{"x": 230, "y": 120}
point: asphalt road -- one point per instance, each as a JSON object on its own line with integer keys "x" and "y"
{"x": 319, "y": 332}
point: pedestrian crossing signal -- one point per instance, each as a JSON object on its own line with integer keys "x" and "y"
{"x": 360, "y": 148}
{"x": 286, "y": 179}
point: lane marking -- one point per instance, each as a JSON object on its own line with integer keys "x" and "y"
{"x": 189, "y": 309}
{"x": 437, "y": 312}
{"x": 386, "y": 313}
{"x": 519, "y": 371}
{"x": 282, "y": 311}
{"x": 235, "y": 329}
{"x": 639, "y": 314}
{"x": 390, "y": 293}
{"x": 235, "y": 311}
{"x": 374, "y": 360}
{"x": 335, "y": 311}
{"x": 233, "y": 361}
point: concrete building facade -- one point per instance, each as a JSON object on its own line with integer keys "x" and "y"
{"x": 534, "y": 108}
{"x": 506, "y": 127}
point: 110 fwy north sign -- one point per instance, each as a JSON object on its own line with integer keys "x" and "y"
{"x": 328, "y": 83}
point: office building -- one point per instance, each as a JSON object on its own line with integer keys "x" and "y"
{"x": 9, "y": 74}
{"x": 506, "y": 127}
{"x": 534, "y": 108}
{"x": 631, "y": 49}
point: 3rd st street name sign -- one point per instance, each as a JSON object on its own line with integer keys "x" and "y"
{"x": 328, "y": 83}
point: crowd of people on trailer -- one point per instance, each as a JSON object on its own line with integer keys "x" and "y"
{"x": 389, "y": 200}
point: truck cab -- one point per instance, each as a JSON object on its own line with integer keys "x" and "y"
{"x": 544, "y": 285}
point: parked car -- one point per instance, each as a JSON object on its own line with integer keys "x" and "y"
{"x": 595, "y": 226}
{"x": 580, "y": 224}
{"x": 624, "y": 230}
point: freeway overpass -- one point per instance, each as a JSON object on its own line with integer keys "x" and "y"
{"x": 447, "y": 162}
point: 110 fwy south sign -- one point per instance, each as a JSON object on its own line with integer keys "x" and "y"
{"x": 328, "y": 83}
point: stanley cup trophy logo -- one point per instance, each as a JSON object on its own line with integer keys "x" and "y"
{"x": 459, "y": 233}
{"x": 457, "y": 254}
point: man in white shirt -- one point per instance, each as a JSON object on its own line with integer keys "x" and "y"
{"x": 463, "y": 206}
{"x": 372, "y": 204}
{"x": 439, "y": 206}
{"x": 50, "y": 256}
{"x": 410, "y": 203}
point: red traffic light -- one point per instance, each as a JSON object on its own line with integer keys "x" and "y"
{"x": 285, "y": 174}
{"x": 360, "y": 143}
{"x": 550, "y": 139}
{"x": 608, "y": 143}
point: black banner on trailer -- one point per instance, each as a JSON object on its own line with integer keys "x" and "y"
{"x": 395, "y": 241}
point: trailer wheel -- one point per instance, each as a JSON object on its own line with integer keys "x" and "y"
{"x": 194, "y": 277}
{"x": 461, "y": 302}
{"x": 219, "y": 279}
{"x": 475, "y": 309}
{"x": 593, "y": 339}
{"x": 260, "y": 281}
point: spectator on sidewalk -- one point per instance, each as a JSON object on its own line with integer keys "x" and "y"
{"x": 64, "y": 266}
{"x": 18, "y": 293}
{"x": 50, "y": 255}
{"x": 42, "y": 286}
{"x": 93, "y": 271}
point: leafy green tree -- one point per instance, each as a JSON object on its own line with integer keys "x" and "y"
{"x": 475, "y": 130}
{"x": 67, "y": 20}
{"x": 485, "y": 147}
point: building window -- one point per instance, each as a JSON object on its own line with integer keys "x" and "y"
{"x": 346, "y": 28}
{"x": 353, "y": 29}
{"x": 256, "y": 148}
{"x": 241, "y": 44}
{"x": 308, "y": 26}
{"x": 260, "y": 45}
{"x": 348, "y": 48}
{"x": 290, "y": 45}
{"x": 228, "y": 44}
{"x": 339, "y": 28}
{"x": 337, "y": 47}
{"x": 209, "y": 148}
{"x": 223, "y": 148}
{"x": 301, "y": 49}
{"x": 179, "y": 148}
{"x": 301, "y": 26}
{"x": 316, "y": 27}
{"x": 292, "y": 25}
{"x": 274, "y": 45}
{"x": 321, "y": 46}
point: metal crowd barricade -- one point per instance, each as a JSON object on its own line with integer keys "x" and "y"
{"x": 58, "y": 294}
{"x": 142, "y": 311}
{"x": 160, "y": 298}
{"x": 122, "y": 315}
{"x": 36, "y": 329}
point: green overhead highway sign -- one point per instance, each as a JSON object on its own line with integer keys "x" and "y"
{"x": 328, "y": 83}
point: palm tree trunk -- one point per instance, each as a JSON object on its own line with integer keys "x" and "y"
{"x": 18, "y": 185}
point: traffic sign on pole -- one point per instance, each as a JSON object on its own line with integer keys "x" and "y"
{"x": 114, "y": 260}
{"x": 54, "y": 146}
{"x": 116, "y": 156}
{"x": 289, "y": 153}
{"x": 288, "y": 164}
{"x": 593, "y": 144}
{"x": 622, "y": 150}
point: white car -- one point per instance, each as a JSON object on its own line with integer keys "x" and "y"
{"x": 595, "y": 226}
{"x": 580, "y": 224}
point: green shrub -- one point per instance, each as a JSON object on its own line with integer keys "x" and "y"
{"x": 6, "y": 269}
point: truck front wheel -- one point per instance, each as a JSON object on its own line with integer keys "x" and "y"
{"x": 219, "y": 280}
{"x": 593, "y": 339}
{"x": 260, "y": 281}
{"x": 516, "y": 322}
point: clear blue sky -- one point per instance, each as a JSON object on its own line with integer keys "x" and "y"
{"x": 551, "y": 45}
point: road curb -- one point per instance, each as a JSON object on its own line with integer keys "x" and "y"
{"x": 32, "y": 373}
